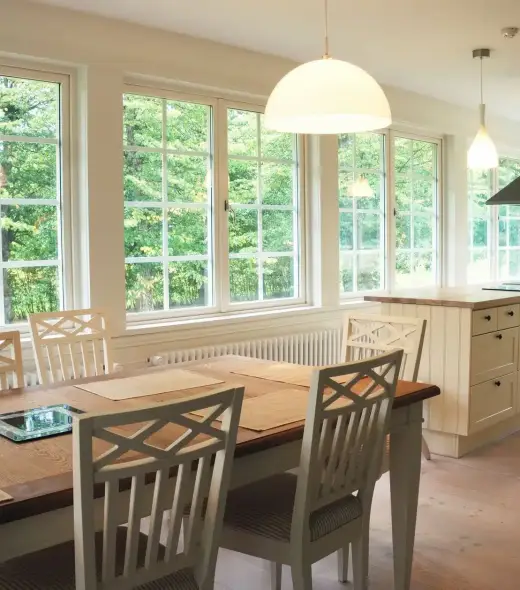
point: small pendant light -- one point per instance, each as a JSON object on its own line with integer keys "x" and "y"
{"x": 360, "y": 188}
{"x": 327, "y": 96}
{"x": 482, "y": 155}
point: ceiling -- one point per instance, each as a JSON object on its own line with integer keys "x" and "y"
{"x": 420, "y": 45}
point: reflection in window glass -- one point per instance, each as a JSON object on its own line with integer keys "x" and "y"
{"x": 263, "y": 195}
{"x": 362, "y": 218}
{"x": 168, "y": 166}
{"x": 416, "y": 215}
{"x": 30, "y": 197}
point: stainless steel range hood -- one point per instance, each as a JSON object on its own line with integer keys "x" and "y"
{"x": 509, "y": 195}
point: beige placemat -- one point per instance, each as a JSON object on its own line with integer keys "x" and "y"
{"x": 151, "y": 383}
{"x": 5, "y": 497}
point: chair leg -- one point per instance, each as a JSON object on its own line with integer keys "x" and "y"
{"x": 360, "y": 560}
{"x": 302, "y": 576}
{"x": 425, "y": 450}
{"x": 276, "y": 575}
{"x": 343, "y": 557}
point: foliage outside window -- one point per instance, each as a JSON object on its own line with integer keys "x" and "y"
{"x": 480, "y": 186}
{"x": 263, "y": 214}
{"x": 416, "y": 211}
{"x": 508, "y": 224}
{"x": 31, "y": 196}
{"x": 168, "y": 184}
{"x": 362, "y": 219}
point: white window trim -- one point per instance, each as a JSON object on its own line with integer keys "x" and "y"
{"x": 390, "y": 217}
{"x": 221, "y": 304}
{"x": 70, "y": 283}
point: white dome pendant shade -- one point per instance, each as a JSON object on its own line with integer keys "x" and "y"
{"x": 327, "y": 96}
{"x": 360, "y": 188}
{"x": 482, "y": 155}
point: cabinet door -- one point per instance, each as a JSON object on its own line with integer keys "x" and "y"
{"x": 492, "y": 401}
{"x": 493, "y": 355}
{"x": 508, "y": 316}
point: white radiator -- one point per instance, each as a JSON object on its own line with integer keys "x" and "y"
{"x": 310, "y": 348}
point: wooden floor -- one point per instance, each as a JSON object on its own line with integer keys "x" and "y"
{"x": 468, "y": 531}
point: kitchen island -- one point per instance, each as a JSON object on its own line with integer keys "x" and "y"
{"x": 471, "y": 352}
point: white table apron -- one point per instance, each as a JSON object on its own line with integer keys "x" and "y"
{"x": 31, "y": 534}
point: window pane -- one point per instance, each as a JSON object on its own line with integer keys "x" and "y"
{"x": 422, "y": 231}
{"x": 189, "y": 179}
{"x": 243, "y": 181}
{"x": 187, "y": 126}
{"x": 403, "y": 269}
{"x": 188, "y": 284}
{"x": 277, "y": 231}
{"x": 143, "y": 176}
{"x": 144, "y": 287}
{"x": 278, "y": 277}
{"x": 362, "y": 218}
{"x": 403, "y": 231}
{"x": 263, "y": 218}
{"x": 163, "y": 230}
{"x": 30, "y": 290}
{"x": 29, "y": 108}
{"x": 28, "y": 171}
{"x": 480, "y": 189}
{"x": 143, "y": 231}
{"x": 187, "y": 232}
{"x": 509, "y": 223}
{"x": 29, "y": 233}
{"x": 142, "y": 120}
{"x": 243, "y": 279}
{"x": 243, "y": 133}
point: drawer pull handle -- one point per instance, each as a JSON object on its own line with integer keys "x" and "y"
{"x": 499, "y": 336}
{"x": 498, "y": 384}
{"x": 487, "y": 317}
{"x": 511, "y": 313}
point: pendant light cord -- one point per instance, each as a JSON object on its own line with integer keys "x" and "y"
{"x": 481, "y": 82}
{"x": 326, "y": 9}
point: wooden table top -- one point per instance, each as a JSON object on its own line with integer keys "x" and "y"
{"x": 38, "y": 474}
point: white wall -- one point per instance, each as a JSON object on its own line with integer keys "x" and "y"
{"x": 101, "y": 53}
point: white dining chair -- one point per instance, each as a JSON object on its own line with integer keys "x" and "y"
{"x": 11, "y": 361}
{"x": 298, "y": 518}
{"x": 71, "y": 344}
{"x": 191, "y": 464}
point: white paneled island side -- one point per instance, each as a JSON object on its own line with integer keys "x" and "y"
{"x": 471, "y": 352}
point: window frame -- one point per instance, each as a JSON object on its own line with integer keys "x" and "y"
{"x": 65, "y": 203}
{"x": 390, "y": 210}
{"x": 219, "y": 216}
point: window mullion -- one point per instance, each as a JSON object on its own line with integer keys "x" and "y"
{"x": 166, "y": 286}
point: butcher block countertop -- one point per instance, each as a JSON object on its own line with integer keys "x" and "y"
{"x": 467, "y": 297}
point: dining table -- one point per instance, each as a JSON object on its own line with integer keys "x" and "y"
{"x": 37, "y": 475}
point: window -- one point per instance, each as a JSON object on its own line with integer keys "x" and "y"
{"x": 369, "y": 261}
{"x": 416, "y": 211}
{"x": 168, "y": 188}
{"x": 494, "y": 232}
{"x": 362, "y": 219}
{"x": 480, "y": 186}
{"x": 33, "y": 192}
{"x": 199, "y": 237}
{"x": 263, "y": 212}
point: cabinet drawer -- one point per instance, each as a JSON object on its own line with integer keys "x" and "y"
{"x": 484, "y": 320}
{"x": 508, "y": 316}
{"x": 492, "y": 402}
{"x": 493, "y": 355}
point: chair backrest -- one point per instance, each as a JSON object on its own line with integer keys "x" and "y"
{"x": 180, "y": 469}
{"x": 71, "y": 344}
{"x": 366, "y": 335}
{"x": 11, "y": 361}
{"x": 345, "y": 427}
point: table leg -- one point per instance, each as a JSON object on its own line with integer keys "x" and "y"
{"x": 405, "y": 473}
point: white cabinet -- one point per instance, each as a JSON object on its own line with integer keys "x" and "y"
{"x": 493, "y": 355}
{"x": 492, "y": 401}
{"x": 484, "y": 321}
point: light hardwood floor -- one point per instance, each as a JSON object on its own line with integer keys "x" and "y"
{"x": 468, "y": 531}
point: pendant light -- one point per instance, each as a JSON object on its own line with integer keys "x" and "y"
{"x": 327, "y": 96}
{"x": 360, "y": 188}
{"x": 482, "y": 155}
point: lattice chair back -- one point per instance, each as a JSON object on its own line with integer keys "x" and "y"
{"x": 366, "y": 335}
{"x": 71, "y": 344}
{"x": 347, "y": 420}
{"x": 172, "y": 460}
{"x": 11, "y": 360}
